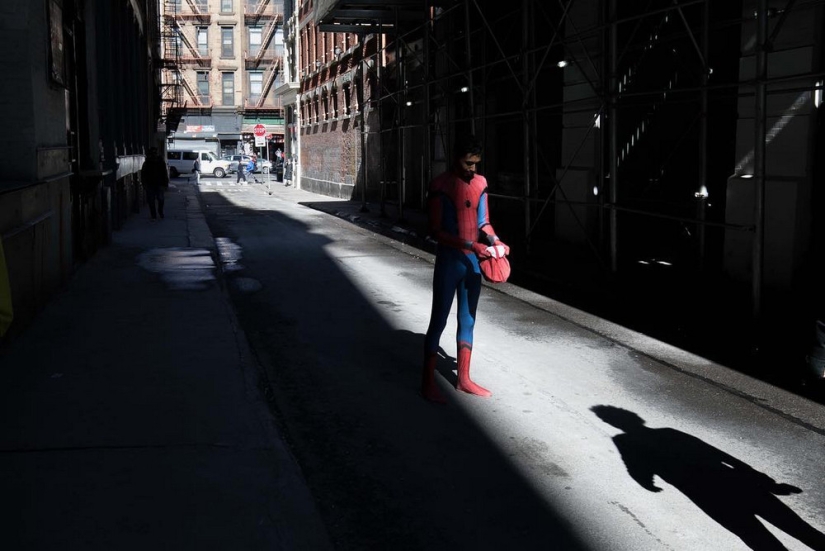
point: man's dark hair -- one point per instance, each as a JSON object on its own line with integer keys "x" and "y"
{"x": 467, "y": 145}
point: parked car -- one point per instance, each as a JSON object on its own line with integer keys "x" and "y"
{"x": 182, "y": 161}
{"x": 260, "y": 165}
{"x": 263, "y": 165}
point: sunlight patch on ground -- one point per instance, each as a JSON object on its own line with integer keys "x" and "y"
{"x": 181, "y": 268}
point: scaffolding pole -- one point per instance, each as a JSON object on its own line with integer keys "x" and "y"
{"x": 702, "y": 192}
{"x": 613, "y": 128}
{"x": 400, "y": 145}
{"x": 427, "y": 168}
{"x": 379, "y": 85}
{"x": 759, "y": 150}
{"x": 469, "y": 47}
{"x": 525, "y": 75}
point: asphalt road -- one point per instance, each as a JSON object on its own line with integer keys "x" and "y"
{"x": 585, "y": 444}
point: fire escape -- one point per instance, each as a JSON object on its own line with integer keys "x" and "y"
{"x": 171, "y": 95}
{"x": 270, "y": 17}
{"x": 179, "y": 54}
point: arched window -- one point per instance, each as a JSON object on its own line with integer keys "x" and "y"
{"x": 347, "y": 97}
{"x": 334, "y": 93}
{"x": 306, "y": 114}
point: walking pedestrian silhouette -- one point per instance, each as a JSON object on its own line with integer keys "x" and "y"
{"x": 727, "y": 489}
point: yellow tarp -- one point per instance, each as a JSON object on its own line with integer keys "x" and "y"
{"x": 6, "y": 311}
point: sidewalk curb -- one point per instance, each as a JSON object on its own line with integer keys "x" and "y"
{"x": 199, "y": 234}
{"x": 257, "y": 386}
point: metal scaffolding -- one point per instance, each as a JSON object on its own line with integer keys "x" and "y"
{"x": 610, "y": 129}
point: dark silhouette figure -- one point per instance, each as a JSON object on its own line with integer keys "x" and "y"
{"x": 155, "y": 177}
{"x": 731, "y": 492}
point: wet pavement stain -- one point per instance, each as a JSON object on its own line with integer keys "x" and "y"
{"x": 535, "y": 452}
{"x": 230, "y": 254}
{"x": 181, "y": 268}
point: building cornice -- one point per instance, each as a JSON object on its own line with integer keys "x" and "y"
{"x": 288, "y": 91}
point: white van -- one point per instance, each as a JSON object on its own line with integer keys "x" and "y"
{"x": 182, "y": 161}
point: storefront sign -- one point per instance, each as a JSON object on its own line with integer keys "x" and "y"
{"x": 200, "y": 128}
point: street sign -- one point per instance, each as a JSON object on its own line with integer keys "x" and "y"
{"x": 259, "y": 130}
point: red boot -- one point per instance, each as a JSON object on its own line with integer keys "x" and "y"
{"x": 465, "y": 350}
{"x": 429, "y": 389}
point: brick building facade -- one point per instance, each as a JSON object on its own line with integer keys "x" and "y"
{"x": 223, "y": 59}
{"x": 336, "y": 108}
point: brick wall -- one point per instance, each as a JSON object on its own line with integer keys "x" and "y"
{"x": 331, "y": 157}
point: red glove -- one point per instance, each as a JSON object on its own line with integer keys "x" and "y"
{"x": 481, "y": 250}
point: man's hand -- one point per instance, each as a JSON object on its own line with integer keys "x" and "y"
{"x": 481, "y": 250}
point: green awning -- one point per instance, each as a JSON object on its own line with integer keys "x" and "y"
{"x": 264, "y": 120}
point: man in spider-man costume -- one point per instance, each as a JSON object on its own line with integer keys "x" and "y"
{"x": 460, "y": 224}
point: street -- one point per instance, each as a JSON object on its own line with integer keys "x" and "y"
{"x": 587, "y": 442}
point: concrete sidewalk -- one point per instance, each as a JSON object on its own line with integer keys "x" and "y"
{"x": 133, "y": 415}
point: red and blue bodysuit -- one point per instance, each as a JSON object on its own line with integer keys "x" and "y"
{"x": 458, "y": 215}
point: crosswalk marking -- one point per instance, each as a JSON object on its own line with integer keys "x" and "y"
{"x": 220, "y": 187}
{"x": 221, "y": 184}
{"x": 228, "y": 190}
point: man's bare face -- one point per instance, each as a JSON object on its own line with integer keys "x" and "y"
{"x": 467, "y": 166}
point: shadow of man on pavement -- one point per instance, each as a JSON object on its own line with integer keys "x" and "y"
{"x": 730, "y": 491}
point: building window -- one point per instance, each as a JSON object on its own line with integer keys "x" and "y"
{"x": 255, "y": 38}
{"x": 177, "y": 45}
{"x": 279, "y": 43}
{"x": 317, "y": 48}
{"x": 227, "y": 42}
{"x": 174, "y": 6}
{"x": 203, "y": 87}
{"x": 228, "y": 87}
{"x": 347, "y": 98}
{"x": 226, "y": 6}
{"x": 203, "y": 41}
{"x": 256, "y": 85}
{"x": 202, "y": 5}
{"x": 305, "y": 49}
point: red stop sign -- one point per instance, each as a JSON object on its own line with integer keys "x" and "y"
{"x": 259, "y": 130}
